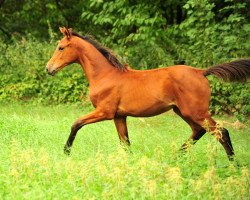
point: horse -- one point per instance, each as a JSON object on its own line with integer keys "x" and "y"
{"x": 117, "y": 91}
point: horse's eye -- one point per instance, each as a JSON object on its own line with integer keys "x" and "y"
{"x": 60, "y": 48}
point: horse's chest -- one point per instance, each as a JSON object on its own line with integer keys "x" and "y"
{"x": 95, "y": 97}
{"x": 102, "y": 96}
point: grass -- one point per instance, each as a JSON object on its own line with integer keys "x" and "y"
{"x": 33, "y": 166}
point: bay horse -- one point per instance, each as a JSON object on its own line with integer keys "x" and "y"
{"x": 117, "y": 91}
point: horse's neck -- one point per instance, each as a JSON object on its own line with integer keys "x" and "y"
{"x": 95, "y": 66}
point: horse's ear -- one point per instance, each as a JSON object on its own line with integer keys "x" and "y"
{"x": 66, "y": 32}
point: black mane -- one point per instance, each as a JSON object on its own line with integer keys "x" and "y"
{"x": 107, "y": 53}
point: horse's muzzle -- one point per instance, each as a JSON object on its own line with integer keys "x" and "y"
{"x": 51, "y": 72}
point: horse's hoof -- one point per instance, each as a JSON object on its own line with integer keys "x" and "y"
{"x": 66, "y": 150}
{"x": 231, "y": 158}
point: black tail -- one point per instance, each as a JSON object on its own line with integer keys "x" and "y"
{"x": 238, "y": 70}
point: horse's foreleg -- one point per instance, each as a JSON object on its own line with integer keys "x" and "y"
{"x": 121, "y": 127}
{"x": 92, "y": 117}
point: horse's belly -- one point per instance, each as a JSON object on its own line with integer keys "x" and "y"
{"x": 143, "y": 109}
{"x": 145, "y": 98}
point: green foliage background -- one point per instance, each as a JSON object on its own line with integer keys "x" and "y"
{"x": 146, "y": 34}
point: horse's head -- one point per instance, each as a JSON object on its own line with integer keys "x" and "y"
{"x": 64, "y": 54}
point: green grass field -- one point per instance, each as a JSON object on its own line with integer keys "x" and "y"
{"x": 33, "y": 166}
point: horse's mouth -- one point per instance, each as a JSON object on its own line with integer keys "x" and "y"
{"x": 53, "y": 73}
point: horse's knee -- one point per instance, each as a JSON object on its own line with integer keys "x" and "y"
{"x": 76, "y": 126}
{"x": 98, "y": 116}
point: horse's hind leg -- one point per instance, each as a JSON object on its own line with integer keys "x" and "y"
{"x": 221, "y": 134}
{"x": 197, "y": 130}
{"x": 196, "y": 135}
{"x": 200, "y": 123}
